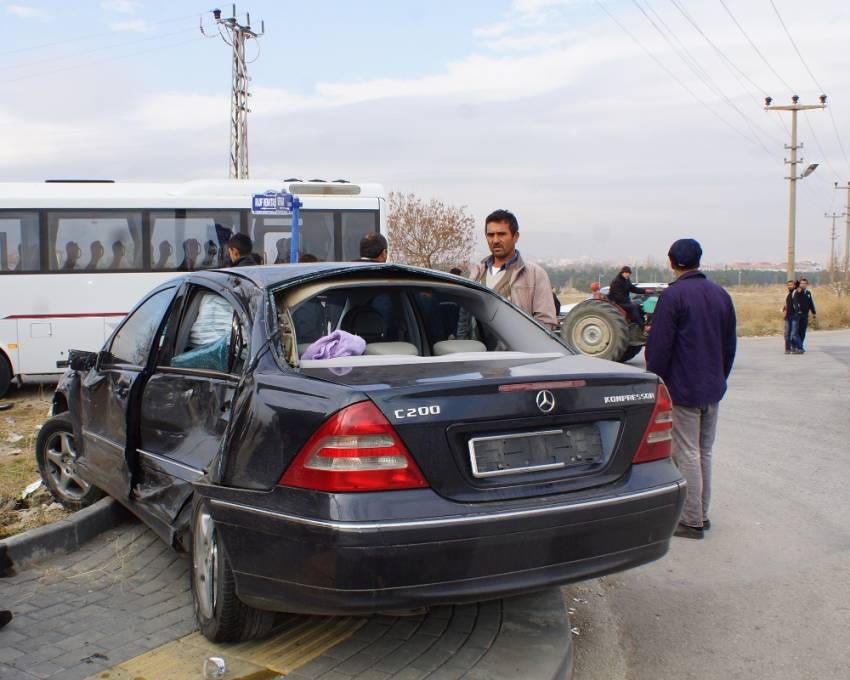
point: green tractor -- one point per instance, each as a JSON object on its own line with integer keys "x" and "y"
{"x": 601, "y": 328}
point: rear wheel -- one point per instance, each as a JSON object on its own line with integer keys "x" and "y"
{"x": 56, "y": 455}
{"x": 221, "y": 616}
{"x": 598, "y": 329}
{"x": 5, "y": 375}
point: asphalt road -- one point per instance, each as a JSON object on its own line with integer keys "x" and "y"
{"x": 767, "y": 593}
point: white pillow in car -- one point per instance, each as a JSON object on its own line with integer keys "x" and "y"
{"x": 390, "y": 348}
{"x": 458, "y": 346}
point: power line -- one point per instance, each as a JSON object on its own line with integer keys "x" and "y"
{"x": 757, "y": 50}
{"x": 820, "y": 148}
{"x": 731, "y": 66}
{"x": 88, "y": 36}
{"x": 672, "y": 75}
{"x": 98, "y": 61}
{"x": 704, "y": 77}
{"x": 814, "y": 80}
{"x": 794, "y": 45}
{"x": 70, "y": 55}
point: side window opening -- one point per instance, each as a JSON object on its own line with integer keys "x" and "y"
{"x": 132, "y": 342}
{"x": 211, "y": 336}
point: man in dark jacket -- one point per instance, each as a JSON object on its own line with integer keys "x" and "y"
{"x": 239, "y": 249}
{"x": 806, "y": 304}
{"x": 791, "y": 313}
{"x": 692, "y": 347}
{"x": 618, "y": 291}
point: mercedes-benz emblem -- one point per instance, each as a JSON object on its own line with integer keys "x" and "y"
{"x": 545, "y": 401}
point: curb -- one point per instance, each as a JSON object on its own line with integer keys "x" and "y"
{"x": 62, "y": 536}
{"x": 535, "y": 641}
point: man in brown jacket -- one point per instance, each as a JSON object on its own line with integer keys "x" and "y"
{"x": 506, "y": 273}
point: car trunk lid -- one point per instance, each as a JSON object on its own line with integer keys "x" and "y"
{"x": 511, "y": 426}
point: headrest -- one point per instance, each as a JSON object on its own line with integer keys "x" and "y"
{"x": 365, "y": 322}
{"x": 392, "y": 348}
{"x": 457, "y": 346}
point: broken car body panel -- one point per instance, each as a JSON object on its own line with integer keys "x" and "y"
{"x": 184, "y": 417}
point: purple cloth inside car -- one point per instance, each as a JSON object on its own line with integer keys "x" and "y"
{"x": 337, "y": 344}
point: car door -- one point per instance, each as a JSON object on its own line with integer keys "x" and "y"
{"x": 186, "y": 403}
{"x": 109, "y": 393}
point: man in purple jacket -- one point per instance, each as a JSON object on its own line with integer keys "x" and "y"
{"x": 692, "y": 347}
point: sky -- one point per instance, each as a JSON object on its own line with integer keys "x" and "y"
{"x": 608, "y": 137}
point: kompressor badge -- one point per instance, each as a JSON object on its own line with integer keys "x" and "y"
{"x": 629, "y": 398}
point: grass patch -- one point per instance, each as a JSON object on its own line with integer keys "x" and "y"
{"x": 759, "y": 308}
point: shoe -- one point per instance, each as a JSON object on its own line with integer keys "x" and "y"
{"x": 706, "y": 524}
{"x": 685, "y": 531}
{"x": 796, "y": 351}
{"x": 787, "y": 351}
{"x": 5, "y": 617}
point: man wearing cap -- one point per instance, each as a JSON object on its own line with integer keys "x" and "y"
{"x": 619, "y": 292}
{"x": 692, "y": 348}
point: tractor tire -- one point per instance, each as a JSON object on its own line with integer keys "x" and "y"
{"x": 598, "y": 329}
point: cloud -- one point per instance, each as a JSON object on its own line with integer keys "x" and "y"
{"x": 120, "y": 6}
{"x": 133, "y": 25}
{"x": 28, "y": 12}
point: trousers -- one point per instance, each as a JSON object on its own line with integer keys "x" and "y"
{"x": 694, "y": 429}
{"x": 792, "y": 332}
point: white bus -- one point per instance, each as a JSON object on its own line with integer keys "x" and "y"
{"x": 76, "y": 255}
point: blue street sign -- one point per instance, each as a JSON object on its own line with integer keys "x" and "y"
{"x": 272, "y": 203}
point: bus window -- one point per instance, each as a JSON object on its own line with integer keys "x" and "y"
{"x": 274, "y": 234}
{"x": 19, "y": 242}
{"x": 94, "y": 241}
{"x": 186, "y": 240}
{"x": 355, "y": 225}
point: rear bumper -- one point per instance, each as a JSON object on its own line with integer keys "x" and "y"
{"x": 346, "y": 562}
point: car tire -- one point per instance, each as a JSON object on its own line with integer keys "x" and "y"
{"x": 221, "y": 616}
{"x": 5, "y": 375}
{"x": 56, "y": 453}
{"x": 597, "y": 328}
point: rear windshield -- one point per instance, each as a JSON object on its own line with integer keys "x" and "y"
{"x": 401, "y": 323}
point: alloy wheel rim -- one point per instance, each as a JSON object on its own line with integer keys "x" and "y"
{"x": 205, "y": 557}
{"x": 61, "y": 463}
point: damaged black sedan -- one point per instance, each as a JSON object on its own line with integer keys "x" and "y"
{"x": 457, "y": 451}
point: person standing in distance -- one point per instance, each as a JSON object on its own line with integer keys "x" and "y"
{"x": 506, "y": 273}
{"x": 806, "y": 305}
{"x": 692, "y": 348}
{"x": 791, "y": 313}
{"x": 373, "y": 248}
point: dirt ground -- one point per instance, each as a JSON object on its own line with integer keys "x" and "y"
{"x": 18, "y": 431}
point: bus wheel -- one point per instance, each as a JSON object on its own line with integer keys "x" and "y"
{"x": 5, "y": 375}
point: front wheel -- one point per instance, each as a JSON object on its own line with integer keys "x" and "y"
{"x": 56, "y": 455}
{"x": 221, "y": 616}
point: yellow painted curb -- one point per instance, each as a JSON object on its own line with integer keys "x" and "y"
{"x": 299, "y": 640}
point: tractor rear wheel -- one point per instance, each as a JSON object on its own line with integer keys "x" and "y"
{"x": 598, "y": 329}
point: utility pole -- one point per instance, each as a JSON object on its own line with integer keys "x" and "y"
{"x": 235, "y": 35}
{"x": 846, "y": 238}
{"x": 794, "y": 107}
{"x": 832, "y": 236}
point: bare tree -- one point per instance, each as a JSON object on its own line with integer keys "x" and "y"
{"x": 429, "y": 234}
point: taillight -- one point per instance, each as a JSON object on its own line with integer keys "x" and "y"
{"x": 657, "y": 442}
{"x": 356, "y": 449}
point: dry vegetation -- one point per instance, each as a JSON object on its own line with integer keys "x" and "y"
{"x": 759, "y": 308}
{"x": 18, "y": 431}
